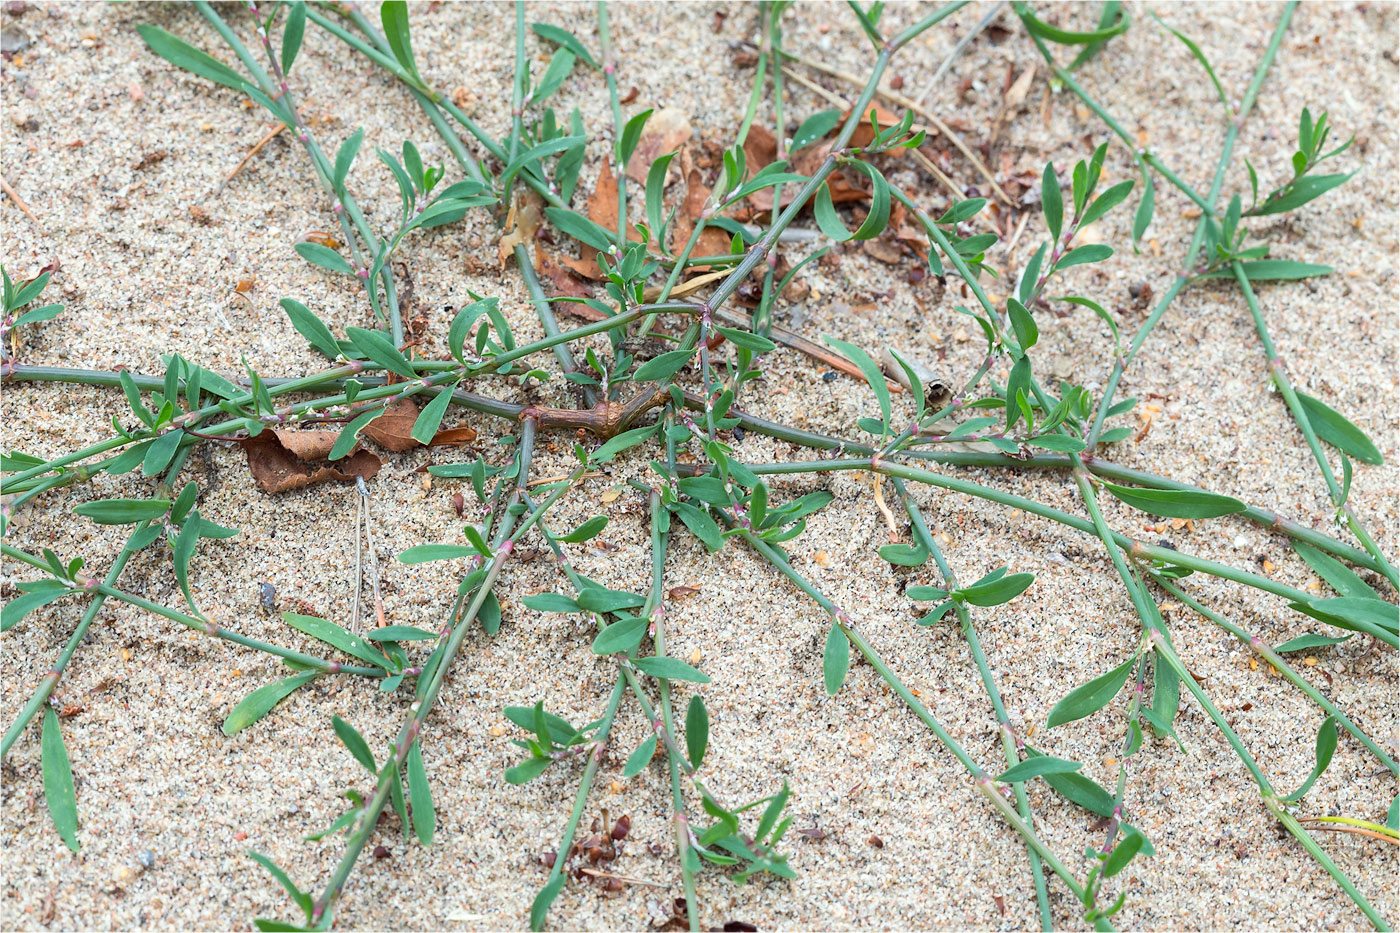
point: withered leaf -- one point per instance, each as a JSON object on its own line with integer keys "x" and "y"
{"x": 666, "y": 131}
{"x": 283, "y": 459}
{"x": 522, "y": 223}
{"x": 394, "y": 429}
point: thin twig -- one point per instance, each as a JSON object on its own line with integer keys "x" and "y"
{"x": 19, "y": 203}
{"x": 267, "y": 138}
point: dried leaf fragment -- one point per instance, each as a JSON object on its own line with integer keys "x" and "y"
{"x": 283, "y": 459}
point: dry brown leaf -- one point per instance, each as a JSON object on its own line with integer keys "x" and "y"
{"x": 283, "y": 459}
{"x": 564, "y": 282}
{"x": 806, "y": 161}
{"x": 453, "y": 437}
{"x": 1016, "y": 96}
{"x": 522, "y": 223}
{"x": 666, "y": 131}
{"x": 760, "y": 149}
{"x": 883, "y": 250}
{"x": 713, "y": 241}
{"x": 602, "y": 210}
{"x": 394, "y": 428}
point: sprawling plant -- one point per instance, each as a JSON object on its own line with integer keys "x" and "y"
{"x": 677, "y": 409}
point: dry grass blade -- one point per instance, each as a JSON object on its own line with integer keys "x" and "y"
{"x": 19, "y": 203}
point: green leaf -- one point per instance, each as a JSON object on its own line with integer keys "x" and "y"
{"x": 183, "y": 55}
{"x": 663, "y": 367}
{"x": 292, "y": 35}
{"x": 1052, "y": 202}
{"x": 748, "y": 341}
{"x": 297, "y": 894}
{"x": 1339, "y": 576}
{"x": 400, "y": 633}
{"x": 621, "y": 637}
{"x": 1332, "y": 427}
{"x": 542, "y": 150}
{"x": 420, "y": 795}
{"x": 1023, "y": 324}
{"x": 697, "y": 730}
{"x": 312, "y": 328}
{"x": 1106, "y": 202}
{"x": 1303, "y": 642}
{"x": 320, "y": 255}
{"x": 378, "y": 347}
{"x": 430, "y": 418}
{"x": 815, "y": 127}
{"x": 631, "y": 135}
{"x": 527, "y": 770}
{"x": 1300, "y": 192}
{"x": 1063, "y": 37}
{"x": 1200, "y": 57}
{"x": 1061, "y": 442}
{"x": 355, "y": 742}
{"x": 1123, "y": 853}
{"x": 1166, "y": 694}
{"x": 904, "y": 555}
{"x": 393, "y": 14}
{"x": 123, "y": 511}
{"x": 875, "y": 221}
{"x": 1324, "y": 748}
{"x": 616, "y": 445}
{"x": 58, "y": 780}
{"x": 1281, "y": 270}
{"x": 700, "y": 524}
{"x": 1089, "y": 698}
{"x": 1143, "y": 218}
{"x": 1095, "y": 252}
{"x": 564, "y": 38}
{"x": 185, "y": 543}
{"x": 20, "y": 606}
{"x": 1078, "y": 789}
{"x": 1177, "y": 503}
{"x": 1351, "y": 612}
{"x": 996, "y": 591}
{"x": 639, "y": 759}
{"x": 1035, "y": 767}
{"x": 873, "y": 377}
{"x": 560, "y": 64}
{"x": 345, "y": 157}
{"x": 579, "y": 227}
{"x": 670, "y": 669}
{"x": 599, "y": 599}
{"x": 655, "y": 191}
{"x": 336, "y": 636}
{"x": 260, "y": 702}
{"x": 589, "y": 529}
{"x": 836, "y": 659}
{"x": 46, "y": 313}
{"x": 539, "y": 908}
{"x": 349, "y": 434}
{"x": 550, "y": 602}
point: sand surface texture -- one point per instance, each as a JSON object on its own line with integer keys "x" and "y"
{"x": 119, "y": 155}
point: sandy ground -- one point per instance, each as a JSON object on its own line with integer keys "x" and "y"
{"x": 86, "y": 104}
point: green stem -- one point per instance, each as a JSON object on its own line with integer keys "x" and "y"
{"x": 1280, "y": 665}
{"x": 1279, "y": 374}
{"x": 974, "y": 644}
{"x": 51, "y": 678}
{"x": 199, "y": 625}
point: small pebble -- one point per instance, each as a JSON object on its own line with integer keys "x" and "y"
{"x": 147, "y": 858}
{"x": 267, "y": 595}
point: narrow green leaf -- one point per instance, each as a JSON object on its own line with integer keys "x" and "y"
{"x": 336, "y": 636}
{"x": 1022, "y": 324}
{"x": 420, "y": 795}
{"x": 1095, "y": 252}
{"x": 1324, "y": 748}
{"x": 20, "y": 606}
{"x": 697, "y": 730}
{"x": 260, "y": 702}
{"x": 539, "y": 908}
{"x": 393, "y": 15}
{"x": 183, "y": 55}
{"x": 589, "y": 529}
{"x": 631, "y": 136}
{"x": 312, "y": 328}
{"x": 836, "y": 659}
{"x": 815, "y": 127}
{"x": 670, "y": 669}
{"x": 349, "y": 434}
{"x": 639, "y": 759}
{"x": 579, "y": 227}
{"x": 1078, "y": 789}
{"x": 550, "y": 602}
{"x": 292, "y": 35}
{"x": 378, "y": 347}
{"x": 1333, "y": 427}
{"x": 1177, "y": 503}
{"x": 873, "y": 377}
{"x": 620, "y": 637}
{"x": 542, "y": 150}
{"x": 355, "y": 742}
{"x": 1035, "y": 767}
{"x": 430, "y": 418}
{"x": 1089, "y": 698}
{"x": 701, "y": 524}
{"x": 564, "y": 38}
{"x": 1279, "y": 270}
{"x": 320, "y": 255}
{"x": 996, "y": 591}
{"x": 663, "y": 367}
{"x": 1303, "y": 642}
{"x": 302, "y": 899}
{"x": 1052, "y": 202}
{"x": 58, "y": 780}
{"x": 122, "y": 511}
